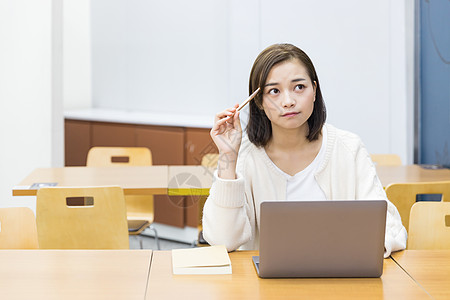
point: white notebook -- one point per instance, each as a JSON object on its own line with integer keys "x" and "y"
{"x": 204, "y": 260}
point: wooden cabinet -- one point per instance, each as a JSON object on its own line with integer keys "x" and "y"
{"x": 169, "y": 146}
{"x": 77, "y": 142}
{"x": 198, "y": 143}
{"x": 111, "y": 134}
{"x": 166, "y": 144}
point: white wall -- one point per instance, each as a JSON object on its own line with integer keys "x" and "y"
{"x": 195, "y": 57}
{"x": 31, "y": 123}
{"x": 77, "y": 54}
{"x": 361, "y": 50}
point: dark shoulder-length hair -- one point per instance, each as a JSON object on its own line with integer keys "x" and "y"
{"x": 259, "y": 128}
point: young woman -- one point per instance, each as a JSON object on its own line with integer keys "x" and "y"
{"x": 287, "y": 154}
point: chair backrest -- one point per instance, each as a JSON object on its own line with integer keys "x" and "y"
{"x": 429, "y": 226}
{"x": 404, "y": 195}
{"x": 210, "y": 160}
{"x": 386, "y": 159}
{"x": 119, "y": 156}
{"x": 18, "y": 228}
{"x": 81, "y": 218}
{"x": 138, "y": 207}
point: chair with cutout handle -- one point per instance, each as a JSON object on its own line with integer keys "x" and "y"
{"x": 81, "y": 218}
{"x": 404, "y": 195}
{"x": 429, "y": 226}
{"x": 140, "y": 209}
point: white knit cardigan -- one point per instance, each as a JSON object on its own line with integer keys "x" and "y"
{"x": 231, "y": 212}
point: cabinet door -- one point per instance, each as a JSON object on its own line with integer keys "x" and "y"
{"x": 166, "y": 144}
{"x": 77, "y": 142}
{"x": 198, "y": 143}
{"x": 113, "y": 135}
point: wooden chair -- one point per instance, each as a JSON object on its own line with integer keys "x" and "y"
{"x": 18, "y": 228}
{"x": 429, "y": 226}
{"x": 404, "y": 195}
{"x": 208, "y": 160}
{"x": 81, "y": 218}
{"x": 386, "y": 159}
{"x": 140, "y": 209}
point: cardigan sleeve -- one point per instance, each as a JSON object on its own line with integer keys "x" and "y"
{"x": 226, "y": 214}
{"x": 369, "y": 187}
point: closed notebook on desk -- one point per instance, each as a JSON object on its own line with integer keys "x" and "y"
{"x": 203, "y": 260}
{"x": 321, "y": 238}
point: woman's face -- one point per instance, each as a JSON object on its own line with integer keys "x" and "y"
{"x": 289, "y": 95}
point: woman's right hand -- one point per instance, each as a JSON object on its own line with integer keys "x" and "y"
{"x": 227, "y": 135}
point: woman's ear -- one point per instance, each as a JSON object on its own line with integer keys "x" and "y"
{"x": 315, "y": 89}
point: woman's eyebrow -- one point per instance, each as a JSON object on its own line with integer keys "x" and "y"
{"x": 271, "y": 84}
{"x": 293, "y": 80}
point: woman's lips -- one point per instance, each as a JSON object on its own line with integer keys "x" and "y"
{"x": 290, "y": 114}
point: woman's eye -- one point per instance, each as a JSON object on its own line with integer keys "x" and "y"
{"x": 273, "y": 91}
{"x": 299, "y": 87}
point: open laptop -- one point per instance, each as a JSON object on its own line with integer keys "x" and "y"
{"x": 321, "y": 238}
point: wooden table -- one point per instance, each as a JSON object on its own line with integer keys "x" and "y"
{"x": 201, "y": 177}
{"x": 410, "y": 173}
{"x": 245, "y": 284}
{"x": 134, "y": 180}
{"x": 181, "y": 180}
{"x": 148, "y": 180}
{"x": 429, "y": 268}
{"x": 74, "y": 274}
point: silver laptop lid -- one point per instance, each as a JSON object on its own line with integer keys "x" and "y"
{"x": 322, "y": 238}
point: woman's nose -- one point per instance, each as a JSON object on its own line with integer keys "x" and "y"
{"x": 288, "y": 100}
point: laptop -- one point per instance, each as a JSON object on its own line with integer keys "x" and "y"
{"x": 321, "y": 238}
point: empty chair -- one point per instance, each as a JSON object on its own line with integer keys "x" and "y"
{"x": 386, "y": 159}
{"x": 18, "y": 228}
{"x": 119, "y": 156}
{"x": 209, "y": 160}
{"x": 404, "y": 195}
{"x": 429, "y": 226}
{"x": 140, "y": 210}
{"x": 81, "y": 218}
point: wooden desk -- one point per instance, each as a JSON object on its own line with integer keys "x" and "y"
{"x": 410, "y": 173}
{"x": 134, "y": 180}
{"x": 201, "y": 177}
{"x": 245, "y": 284}
{"x": 74, "y": 274}
{"x": 431, "y": 269}
{"x": 198, "y": 179}
{"x": 149, "y": 180}
{"x": 181, "y": 180}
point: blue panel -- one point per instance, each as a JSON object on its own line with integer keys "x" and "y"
{"x": 435, "y": 82}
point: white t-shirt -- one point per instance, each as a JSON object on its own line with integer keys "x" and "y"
{"x": 303, "y": 185}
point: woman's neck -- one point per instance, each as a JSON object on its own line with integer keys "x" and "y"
{"x": 289, "y": 139}
{"x": 291, "y": 151}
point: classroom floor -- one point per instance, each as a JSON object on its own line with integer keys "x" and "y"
{"x": 149, "y": 243}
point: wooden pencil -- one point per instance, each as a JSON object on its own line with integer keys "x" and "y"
{"x": 248, "y": 99}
